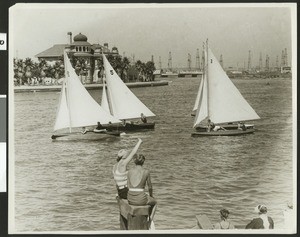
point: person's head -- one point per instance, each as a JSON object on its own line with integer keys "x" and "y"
{"x": 139, "y": 159}
{"x": 208, "y": 120}
{"x": 261, "y": 209}
{"x": 224, "y": 213}
{"x": 98, "y": 123}
{"x": 142, "y": 115}
{"x": 122, "y": 154}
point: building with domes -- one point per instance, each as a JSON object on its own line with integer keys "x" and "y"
{"x": 79, "y": 49}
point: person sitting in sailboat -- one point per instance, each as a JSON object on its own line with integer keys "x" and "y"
{"x": 212, "y": 127}
{"x": 84, "y": 130}
{"x": 241, "y": 126}
{"x": 120, "y": 169}
{"x": 99, "y": 128}
{"x": 143, "y": 118}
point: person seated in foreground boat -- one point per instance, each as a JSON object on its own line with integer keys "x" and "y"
{"x": 99, "y": 128}
{"x": 241, "y": 126}
{"x": 143, "y": 118}
{"x": 216, "y": 128}
{"x": 224, "y": 223}
{"x": 138, "y": 177}
{"x": 120, "y": 169}
{"x": 84, "y": 130}
{"x": 210, "y": 125}
{"x": 263, "y": 221}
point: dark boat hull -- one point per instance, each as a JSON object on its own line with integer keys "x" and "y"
{"x": 233, "y": 132}
{"x": 93, "y": 136}
{"x": 131, "y": 127}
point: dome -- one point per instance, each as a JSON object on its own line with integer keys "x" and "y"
{"x": 80, "y": 37}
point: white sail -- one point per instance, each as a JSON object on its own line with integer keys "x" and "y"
{"x": 82, "y": 108}
{"x": 62, "y": 115}
{"x": 198, "y": 94}
{"x": 104, "y": 100}
{"x": 224, "y": 102}
{"x": 123, "y": 103}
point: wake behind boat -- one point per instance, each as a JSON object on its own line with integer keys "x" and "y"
{"x": 219, "y": 104}
{"x": 78, "y": 109}
{"x": 120, "y": 102}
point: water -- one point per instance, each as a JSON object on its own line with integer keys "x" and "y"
{"x": 63, "y": 186}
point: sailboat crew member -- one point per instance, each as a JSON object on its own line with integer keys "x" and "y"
{"x": 143, "y": 118}
{"x": 120, "y": 169}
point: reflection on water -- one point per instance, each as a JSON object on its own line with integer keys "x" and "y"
{"x": 62, "y": 186}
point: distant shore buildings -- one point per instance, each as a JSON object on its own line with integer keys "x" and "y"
{"x": 80, "y": 50}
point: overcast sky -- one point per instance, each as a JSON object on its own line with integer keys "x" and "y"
{"x": 145, "y": 30}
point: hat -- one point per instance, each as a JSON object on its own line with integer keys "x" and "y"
{"x": 122, "y": 153}
{"x": 260, "y": 209}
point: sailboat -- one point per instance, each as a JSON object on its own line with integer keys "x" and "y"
{"x": 120, "y": 102}
{"x": 221, "y": 103}
{"x": 77, "y": 109}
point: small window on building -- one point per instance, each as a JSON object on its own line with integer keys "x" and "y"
{"x": 80, "y": 49}
{"x": 83, "y": 49}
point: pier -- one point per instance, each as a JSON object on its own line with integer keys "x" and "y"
{"x": 40, "y": 88}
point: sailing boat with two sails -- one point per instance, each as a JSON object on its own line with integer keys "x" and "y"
{"x": 120, "y": 102}
{"x": 219, "y": 101}
{"x": 77, "y": 109}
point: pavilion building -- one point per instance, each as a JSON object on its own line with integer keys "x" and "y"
{"x": 80, "y": 50}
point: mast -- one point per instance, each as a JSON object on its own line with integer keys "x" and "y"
{"x": 208, "y": 116}
{"x": 66, "y": 87}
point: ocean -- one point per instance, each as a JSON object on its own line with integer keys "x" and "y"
{"x": 68, "y": 185}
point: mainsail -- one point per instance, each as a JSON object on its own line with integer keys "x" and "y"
{"x": 77, "y": 108}
{"x": 123, "y": 103}
{"x": 221, "y": 101}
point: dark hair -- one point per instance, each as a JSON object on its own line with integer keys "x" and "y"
{"x": 139, "y": 159}
{"x": 224, "y": 214}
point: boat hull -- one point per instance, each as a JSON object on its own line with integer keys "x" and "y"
{"x": 233, "y": 132}
{"x": 131, "y": 127}
{"x": 202, "y": 128}
{"x": 91, "y": 136}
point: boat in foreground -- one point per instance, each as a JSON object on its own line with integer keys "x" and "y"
{"x": 90, "y": 135}
{"x": 119, "y": 101}
{"x": 220, "y": 109}
{"x": 77, "y": 110}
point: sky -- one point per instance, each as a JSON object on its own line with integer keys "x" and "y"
{"x": 156, "y": 29}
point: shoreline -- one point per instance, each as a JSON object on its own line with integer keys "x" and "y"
{"x": 41, "y": 88}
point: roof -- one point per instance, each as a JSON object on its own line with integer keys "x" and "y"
{"x": 56, "y": 50}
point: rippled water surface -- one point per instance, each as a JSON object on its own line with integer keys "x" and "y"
{"x": 61, "y": 186}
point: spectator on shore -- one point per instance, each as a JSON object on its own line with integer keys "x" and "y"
{"x": 263, "y": 221}
{"x": 120, "y": 169}
{"x": 224, "y": 223}
{"x": 138, "y": 177}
